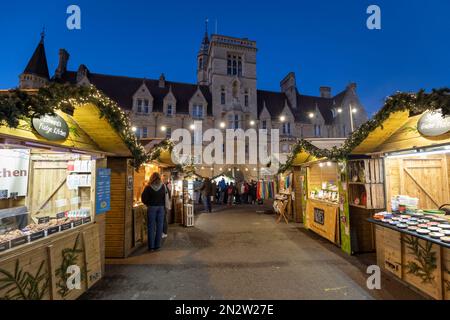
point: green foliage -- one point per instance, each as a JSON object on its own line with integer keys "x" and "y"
{"x": 425, "y": 259}
{"x": 20, "y": 105}
{"x": 415, "y": 103}
{"x": 23, "y": 285}
{"x": 70, "y": 258}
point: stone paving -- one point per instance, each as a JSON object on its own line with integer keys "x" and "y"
{"x": 241, "y": 253}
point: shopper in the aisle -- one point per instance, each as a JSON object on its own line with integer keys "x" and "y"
{"x": 206, "y": 192}
{"x": 154, "y": 197}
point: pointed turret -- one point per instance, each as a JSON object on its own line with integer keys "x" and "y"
{"x": 36, "y": 74}
{"x": 202, "y": 58}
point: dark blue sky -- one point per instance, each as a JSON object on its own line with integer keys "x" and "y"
{"x": 325, "y": 42}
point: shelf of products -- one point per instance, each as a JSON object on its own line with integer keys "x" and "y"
{"x": 51, "y": 196}
{"x": 366, "y": 184}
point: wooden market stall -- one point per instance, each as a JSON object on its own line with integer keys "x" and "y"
{"x": 320, "y": 198}
{"x": 412, "y": 244}
{"x": 54, "y": 193}
{"x": 126, "y": 223}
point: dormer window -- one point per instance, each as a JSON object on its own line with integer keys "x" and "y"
{"x": 264, "y": 125}
{"x": 170, "y": 110}
{"x": 197, "y": 111}
{"x": 287, "y": 128}
{"x": 143, "y": 106}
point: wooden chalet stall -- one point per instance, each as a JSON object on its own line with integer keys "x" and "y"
{"x": 321, "y": 198}
{"x": 54, "y": 193}
{"x": 126, "y": 226}
{"x": 412, "y": 238}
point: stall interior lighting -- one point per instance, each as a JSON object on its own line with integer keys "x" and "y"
{"x": 419, "y": 152}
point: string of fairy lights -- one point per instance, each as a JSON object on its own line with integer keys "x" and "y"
{"x": 18, "y": 105}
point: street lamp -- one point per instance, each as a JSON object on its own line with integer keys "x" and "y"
{"x": 192, "y": 126}
{"x": 311, "y": 115}
{"x": 134, "y": 129}
{"x": 252, "y": 123}
{"x": 282, "y": 118}
{"x": 163, "y": 128}
{"x": 223, "y": 125}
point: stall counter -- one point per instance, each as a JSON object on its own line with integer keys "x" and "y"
{"x": 420, "y": 261}
{"x": 323, "y": 219}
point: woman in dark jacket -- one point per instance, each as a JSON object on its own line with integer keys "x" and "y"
{"x": 154, "y": 197}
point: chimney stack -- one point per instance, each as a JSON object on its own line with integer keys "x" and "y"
{"x": 162, "y": 81}
{"x": 289, "y": 88}
{"x": 62, "y": 66}
{"x": 325, "y": 92}
{"x": 352, "y": 86}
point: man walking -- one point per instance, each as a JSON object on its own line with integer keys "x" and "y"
{"x": 206, "y": 191}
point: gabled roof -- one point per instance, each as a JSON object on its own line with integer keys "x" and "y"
{"x": 122, "y": 89}
{"x": 275, "y": 103}
{"x": 38, "y": 63}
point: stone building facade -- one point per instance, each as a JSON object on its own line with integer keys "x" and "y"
{"x": 225, "y": 97}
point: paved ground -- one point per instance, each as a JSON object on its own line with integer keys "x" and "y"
{"x": 242, "y": 254}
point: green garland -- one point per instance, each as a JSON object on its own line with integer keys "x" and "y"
{"x": 415, "y": 103}
{"x": 20, "y": 105}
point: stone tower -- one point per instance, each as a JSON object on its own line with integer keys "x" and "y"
{"x": 231, "y": 76}
{"x": 36, "y": 73}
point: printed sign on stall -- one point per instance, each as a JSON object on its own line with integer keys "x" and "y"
{"x": 52, "y": 128}
{"x": 103, "y": 191}
{"x": 14, "y": 167}
{"x": 433, "y": 124}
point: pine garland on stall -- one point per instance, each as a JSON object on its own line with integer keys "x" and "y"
{"x": 21, "y": 105}
{"x": 415, "y": 103}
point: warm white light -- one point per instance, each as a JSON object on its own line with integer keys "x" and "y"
{"x": 134, "y": 129}
{"x": 163, "y": 129}
{"x": 212, "y": 169}
{"x": 355, "y": 110}
{"x": 252, "y": 123}
{"x": 282, "y": 118}
{"x": 221, "y": 169}
{"x": 339, "y": 110}
{"x": 238, "y": 170}
{"x": 222, "y": 125}
{"x": 203, "y": 168}
{"x": 321, "y": 165}
{"x": 311, "y": 115}
{"x": 255, "y": 169}
{"x": 192, "y": 126}
{"x": 229, "y": 169}
{"x": 329, "y": 164}
{"x": 246, "y": 169}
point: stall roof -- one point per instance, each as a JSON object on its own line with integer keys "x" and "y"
{"x": 305, "y": 157}
{"x": 165, "y": 159}
{"x": 382, "y": 133}
{"x": 398, "y": 133}
{"x": 407, "y": 137}
{"x": 100, "y": 130}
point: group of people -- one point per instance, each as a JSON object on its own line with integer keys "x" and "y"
{"x": 157, "y": 197}
{"x": 236, "y": 193}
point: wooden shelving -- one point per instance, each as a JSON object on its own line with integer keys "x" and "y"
{"x": 366, "y": 183}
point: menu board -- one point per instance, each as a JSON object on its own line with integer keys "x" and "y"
{"x": 103, "y": 191}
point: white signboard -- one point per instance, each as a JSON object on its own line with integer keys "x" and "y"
{"x": 14, "y": 171}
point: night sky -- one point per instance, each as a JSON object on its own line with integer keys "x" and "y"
{"x": 325, "y": 42}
